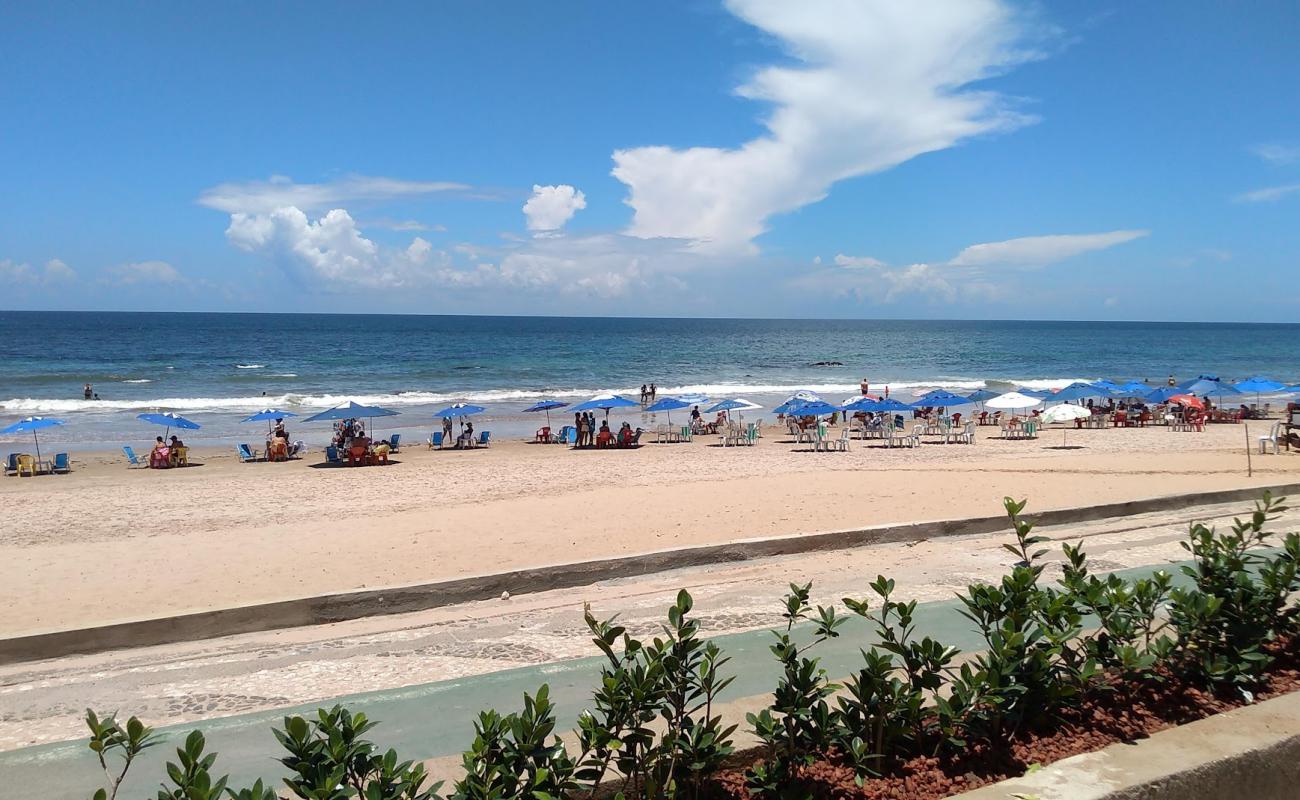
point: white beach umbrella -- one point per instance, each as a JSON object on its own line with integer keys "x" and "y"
{"x": 1065, "y": 412}
{"x": 1013, "y": 400}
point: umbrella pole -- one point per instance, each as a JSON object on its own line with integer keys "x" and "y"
{"x": 36, "y": 439}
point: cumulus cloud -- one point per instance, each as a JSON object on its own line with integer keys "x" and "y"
{"x": 877, "y": 83}
{"x": 263, "y": 197}
{"x": 1037, "y": 251}
{"x": 145, "y": 272}
{"x": 1277, "y": 153}
{"x": 23, "y": 274}
{"x": 1267, "y": 195}
{"x": 976, "y": 273}
{"x": 550, "y": 207}
{"x": 842, "y": 260}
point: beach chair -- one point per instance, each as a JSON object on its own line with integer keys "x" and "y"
{"x": 435, "y": 440}
{"x": 132, "y": 460}
{"x": 11, "y": 465}
{"x": 1267, "y": 443}
{"x": 484, "y": 439}
{"x": 332, "y": 455}
{"x": 27, "y": 465}
{"x": 180, "y": 456}
{"x": 61, "y": 463}
{"x": 246, "y": 453}
{"x": 841, "y": 444}
{"x": 393, "y": 441}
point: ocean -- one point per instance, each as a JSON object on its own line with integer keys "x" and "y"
{"x": 217, "y": 368}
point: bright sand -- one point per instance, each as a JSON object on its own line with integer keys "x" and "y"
{"x": 109, "y": 544}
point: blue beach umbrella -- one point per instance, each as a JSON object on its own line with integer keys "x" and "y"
{"x": 605, "y": 402}
{"x": 939, "y": 397}
{"x": 733, "y": 404}
{"x": 170, "y": 420}
{"x": 1132, "y": 389}
{"x": 1109, "y": 386}
{"x": 980, "y": 395}
{"x": 268, "y": 414}
{"x": 1210, "y": 387}
{"x": 1162, "y": 394}
{"x": 33, "y": 424}
{"x": 352, "y": 410}
{"x": 814, "y": 408}
{"x": 668, "y": 405}
{"x": 458, "y": 410}
{"x": 1079, "y": 391}
{"x": 1041, "y": 394}
{"x": 1259, "y": 385}
{"x": 545, "y": 405}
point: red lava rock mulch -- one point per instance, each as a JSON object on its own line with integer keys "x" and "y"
{"x": 1123, "y": 715}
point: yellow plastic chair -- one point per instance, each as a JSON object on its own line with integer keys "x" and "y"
{"x": 26, "y": 464}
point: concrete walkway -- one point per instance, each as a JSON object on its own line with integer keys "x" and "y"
{"x": 735, "y": 603}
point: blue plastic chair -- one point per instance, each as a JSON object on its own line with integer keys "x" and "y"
{"x": 569, "y": 435}
{"x": 246, "y": 453}
{"x": 392, "y": 442}
{"x": 332, "y": 454}
{"x": 483, "y": 438}
{"x": 132, "y": 459}
{"x": 12, "y": 464}
{"x": 435, "y": 439}
{"x": 61, "y": 463}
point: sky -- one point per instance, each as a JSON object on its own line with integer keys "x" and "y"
{"x": 970, "y": 159}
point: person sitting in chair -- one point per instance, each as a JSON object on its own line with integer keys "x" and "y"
{"x": 160, "y": 456}
{"x": 605, "y": 437}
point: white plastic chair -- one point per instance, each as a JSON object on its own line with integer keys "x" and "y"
{"x": 1270, "y": 442}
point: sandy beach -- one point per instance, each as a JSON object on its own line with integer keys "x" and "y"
{"x": 106, "y": 543}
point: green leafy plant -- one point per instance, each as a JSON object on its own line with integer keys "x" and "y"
{"x": 190, "y": 777}
{"x": 800, "y": 723}
{"x": 109, "y": 739}
{"x": 518, "y": 756}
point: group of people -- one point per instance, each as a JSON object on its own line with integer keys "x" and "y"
{"x": 278, "y": 446}
{"x": 591, "y": 434}
{"x": 466, "y": 438}
{"x": 648, "y": 392}
{"x": 166, "y": 453}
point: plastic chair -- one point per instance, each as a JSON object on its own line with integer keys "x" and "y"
{"x": 246, "y": 453}
{"x": 393, "y": 441}
{"x": 61, "y": 463}
{"x": 131, "y": 458}
{"x": 484, "y": 438}
{"x": 435, "y": 440}
{"x": 11, "y": 465}
{"x": 26, "y": 464}
{"x": 332, "y": 454}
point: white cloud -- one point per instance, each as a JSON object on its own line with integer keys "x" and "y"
{"x": 145, "y": 272}
{"x": 1037, "y": 251}
{"x": 1267, "y": 195}
{"x": 551, "y": 207}
{"x": 264, "y": 197}
{"x": 852, "y": 262}
{"x": 402, "y": 225}
{"x": 24, "y": 274}
{"x": 878, "y": 83}
{"x": 1277, "y": 153}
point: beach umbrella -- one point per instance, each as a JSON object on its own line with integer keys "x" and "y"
{"x": 1041, "y": 394}
{"x": 171, "y": 420}
{"x": 459, "y": 410}
{"x": 1013, "y": 401}
{"x": 1187, "y": 400}
{"x": 1259, "y": 385}
{"x": 33, "y": 424}
{"x": 605, "y": 402}
{"x": 545, "y": 405}
{"x": 980, "y": 395}
{"x": 1109, "y": 386}
{"x": 733, "y": 404}
{"x": 815, "y": 408}
{"x": 1162, "y": 394}
{"x": 1209, "y": 387}
{"x": 939, "y": 397}
{"x": 1131, "y": 389}
{"x": 352, "y": 410}
{"x": 1078, "y": 391}
{"x": 1064, "y": 413}
{"x": 668, "y": 405}
{"x": 268, "y": 414}
{"x": 788, "y": 406}
{"x": 693, "y": 399}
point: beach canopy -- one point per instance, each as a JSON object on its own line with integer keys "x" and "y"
{"x": 457, "y": 410}
{"x": 980, "y": 395}
{"x": 733, "y": 404}
{"x": 352, "y": 410}
{"x": 170, "y": 419}
{"x": 33, "y": 424}
{"x": 939, "y": 397}
{"x": 544, "y": 405}
{"x": 1079, "y": 391}
{"x": 668, "y": 404}
{"x": 605, "y": 402}
{"x": 268, "y": 414}
{"x": 1013, "y": 400}
{"x": 1259, "y": 385}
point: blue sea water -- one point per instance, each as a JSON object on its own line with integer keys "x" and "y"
{"x": 217, "y": 368}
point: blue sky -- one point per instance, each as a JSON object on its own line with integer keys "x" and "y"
{"x": 848, "y": 158}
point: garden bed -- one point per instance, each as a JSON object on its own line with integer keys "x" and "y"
{"x": 1103, "y": 719}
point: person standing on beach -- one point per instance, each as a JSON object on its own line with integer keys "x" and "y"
{"x": 446, "y": 429}
{"x": 644, "y": 393}
{"x": 653, "y": 392}
{"x": 866, "y": 387}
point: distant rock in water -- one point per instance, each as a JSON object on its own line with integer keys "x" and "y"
{"x": 828, "y": 364}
